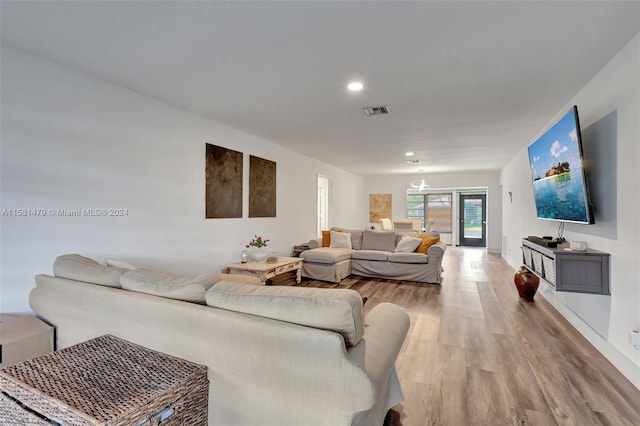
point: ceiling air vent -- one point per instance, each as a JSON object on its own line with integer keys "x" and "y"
{"x": 376, "y": 110}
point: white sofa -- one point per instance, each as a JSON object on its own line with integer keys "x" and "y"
{"x": 372, "y": 255}
{"x": 275, "y": 355}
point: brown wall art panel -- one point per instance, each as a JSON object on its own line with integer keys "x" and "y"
{"x": 379, "y": 207}
{"x": 223, "y": 183}
{"x": 262, "y": 187}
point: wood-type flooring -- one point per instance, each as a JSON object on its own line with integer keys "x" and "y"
{"x": 477, "y": 354}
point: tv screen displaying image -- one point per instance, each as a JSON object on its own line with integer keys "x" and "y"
{"x": 558, "y": 173}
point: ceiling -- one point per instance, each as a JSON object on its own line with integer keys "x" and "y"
{"x": 468, "y": 84}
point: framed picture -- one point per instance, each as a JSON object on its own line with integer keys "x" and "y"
{"x": 262, "y": 187}
{"x": 379, "y": 207}
{"x": 223, "y": 169}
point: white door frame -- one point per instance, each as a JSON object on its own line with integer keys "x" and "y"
{"x": 323, "y": 203}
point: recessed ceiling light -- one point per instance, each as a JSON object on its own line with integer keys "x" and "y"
{"x": 409, "y": 154}
{"x": 355, "y": 86}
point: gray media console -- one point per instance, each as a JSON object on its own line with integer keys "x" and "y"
{"x": 566, "y": 270}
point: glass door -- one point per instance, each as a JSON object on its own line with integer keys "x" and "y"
{"x": 473, "y": 220}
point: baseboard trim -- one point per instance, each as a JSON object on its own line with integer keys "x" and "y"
{"x": 620, "y": 361}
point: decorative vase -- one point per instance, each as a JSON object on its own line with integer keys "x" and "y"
{"x": 526, "y": 283}
{"x": 258, "y": 254}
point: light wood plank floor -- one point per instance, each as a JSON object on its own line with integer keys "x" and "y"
{"x": 477, "y": 354}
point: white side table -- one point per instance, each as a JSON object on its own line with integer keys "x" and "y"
{"x": 22, "y": 337}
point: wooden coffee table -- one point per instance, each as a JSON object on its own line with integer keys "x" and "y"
{"x": 265, "y": 271}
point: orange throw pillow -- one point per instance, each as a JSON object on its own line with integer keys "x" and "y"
{"x": 326, "y": 238}
{"x": 427, "y": 241}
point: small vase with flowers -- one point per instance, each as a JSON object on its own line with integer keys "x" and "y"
{"x": 257, "y": 249}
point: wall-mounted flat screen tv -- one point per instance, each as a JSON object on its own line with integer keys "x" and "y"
{"x": 558, "y": 173}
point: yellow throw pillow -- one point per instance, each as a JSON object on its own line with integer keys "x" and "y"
{"x": 427, "y": 241}
{"x": 326, "y": 237}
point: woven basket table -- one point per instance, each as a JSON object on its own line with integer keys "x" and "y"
{"x": 13, "y": 413}
{"x": 107, "y": 381}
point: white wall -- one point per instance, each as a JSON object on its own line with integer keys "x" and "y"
{"x": 397, "y": 186}
{"x": 615, "y": 88}
{"x": 71, "y": 141}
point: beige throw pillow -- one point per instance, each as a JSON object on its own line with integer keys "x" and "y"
{"x": 164, "y": 284}
{"x": 340, "y": 240}
{"x": 408, "y": 244}
{"x": 80, "y": 268}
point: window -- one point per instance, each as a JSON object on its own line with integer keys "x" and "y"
{"x": 415, "y": 207}
{"x": 431, "y": 206}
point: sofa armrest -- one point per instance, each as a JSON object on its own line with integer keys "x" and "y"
{"x": 386, "y": 327}
{"x": 315, "y": 243}
{"x": 436, "y": 252}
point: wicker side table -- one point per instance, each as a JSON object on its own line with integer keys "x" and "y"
{"x": 23, "y": 337}
{"x": 109, "y": 381}
{"x": 12, "y": 413}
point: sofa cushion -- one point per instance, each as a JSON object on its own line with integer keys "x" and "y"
{"x": 408, "y": 258}
{"x": 338, "y": 310}
{"x": 370, "y": 255}
{"x": 326, "y": 255}
{"x": 427, "y": 241}
{"x": 378, "y": 240}
{"x": 356, "y": 236}
{"x": 408, "y": 244}
{"x": 80, "y": 268}
{"x": 164, "y": 284}
{"x": 340, "y": 240}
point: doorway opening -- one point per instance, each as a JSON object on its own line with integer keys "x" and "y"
{"x": 322, "y": 206}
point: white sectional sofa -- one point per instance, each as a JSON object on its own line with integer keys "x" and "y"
{"x": 372, "y": 254}
{"x": 275, "y": 355}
